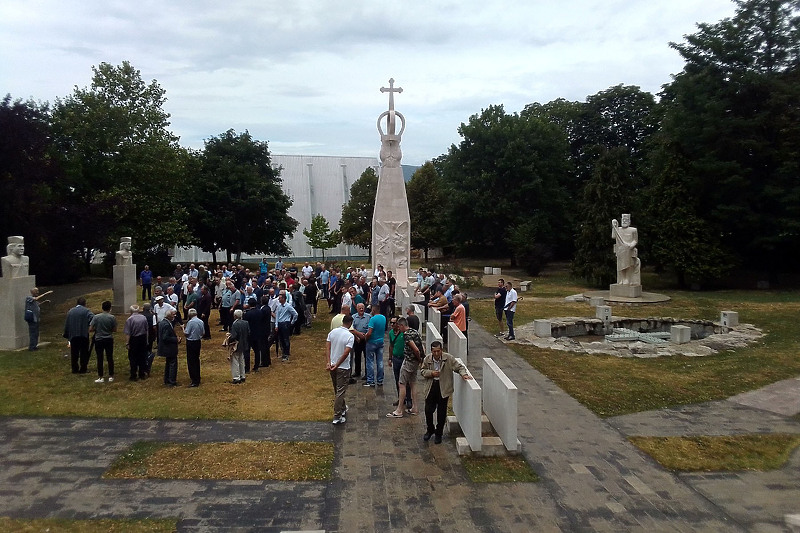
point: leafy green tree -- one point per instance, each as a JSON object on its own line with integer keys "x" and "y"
{"x": 605, "y": 197}
{"x": 680, "y": 240}
{"x": 121, "y": 163}
{"x": 321, "y": 236}
{"x": 355, "y": 225}
{"x": 35, "y": 197}
{"x": 732, "y": 115}
{"x": 238, "y": 203}
{"x": 504, "y": 172}
{"x": 426, "y": 205}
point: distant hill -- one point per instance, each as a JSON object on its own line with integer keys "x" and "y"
{"x": 408, "y": 171}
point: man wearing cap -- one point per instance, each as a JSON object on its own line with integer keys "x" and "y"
{"x": 136, "y": 330}
{"x": 194, "y": 331}
{"x": 161, "y": 308}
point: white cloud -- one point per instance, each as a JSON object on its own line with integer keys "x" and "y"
{"x": 305, "y": 75}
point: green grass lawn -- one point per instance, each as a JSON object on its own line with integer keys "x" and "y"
{"x": 41, "y": 383}
{"x": 611, "y": 386}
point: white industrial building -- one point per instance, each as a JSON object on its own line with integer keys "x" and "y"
{"x": 316, "y": 184}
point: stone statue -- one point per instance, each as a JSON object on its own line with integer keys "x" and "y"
{"x": 626, "y": 238}
{"x": 15, "y": 264}
{"x": 391, "y": 223}
{"x": 124, "y": 255}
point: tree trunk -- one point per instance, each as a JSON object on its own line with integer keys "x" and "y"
{"x": 426, "y": 255}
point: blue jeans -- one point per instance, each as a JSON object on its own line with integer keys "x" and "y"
{"x": 374, "y": 354}
{"x": 33, "y": 335}
{"x": 510, "y": 322}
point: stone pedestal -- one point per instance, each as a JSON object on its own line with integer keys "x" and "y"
{"x": 13, "y": 328}
{"x": 680, "y": 334}
{"x": 625, "y": 291}
{"x": 497, "y": 271}
{"x": 594, "y": 301}
{"x": 542, "y": 328}
{"x": 729, "y": 319}
{"x": 124, "y": 289}
{"x": 487, "y": 271}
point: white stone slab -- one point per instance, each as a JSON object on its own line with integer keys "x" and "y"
{"x": 680, "y": 334}
{"x": 403, "y": 301}
{"x": 456, "y": 342}
{"x": 13, "y": 328}
{"x": 500, "y": 403}
{"x": 542, "y": 328}
{"x": 497, "y": 272}
{"x": 431, "y": 335}
{"x": 603, "y": 312}
{"x": 729, "y": 319}
{"x": 524, "y": 286}
{"x": 487, "y": 270}
{"x": 467, "y": 407}
{"x": 435, "y": 316}
{"x": 124, "y": 289}
{"x": 594, "y": 301}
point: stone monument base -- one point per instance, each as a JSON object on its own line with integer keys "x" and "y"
{"x": 625, "y": 291}
{"x": 124, "y": 289}
{"x": 13, "y": 328}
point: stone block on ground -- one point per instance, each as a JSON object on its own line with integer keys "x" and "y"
{"x": 625, "y": 291}
{"x": 497, "y": 271}
{"x": 500, "y": 403}
{"x": 542, "y": 328}
{"x": 431, "y": 335}
{"x": 456, "y": 342}
{"x": 467, "y": 397}
{"x": 13, "y": 328}
{"x": 524, "y": 286}
{"x": 603, "y": 312}
{"x": 594, "y": 301}
{"x": 729, "y": 319}
{"x": 487, "y": 270}
{"x": 125, "y": 289}
{"x": 680, "y": 334}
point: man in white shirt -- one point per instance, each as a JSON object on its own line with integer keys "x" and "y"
{"x": 510, "y": 308}
{"x": 307, "y": 270}
{"x": 161, "y": 308}
{"x": 337, "y": 359}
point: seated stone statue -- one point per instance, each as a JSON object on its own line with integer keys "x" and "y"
{"x": 15, "y": 264}
{"x": 124, "y": 255}
{"x": 625, "y": 240}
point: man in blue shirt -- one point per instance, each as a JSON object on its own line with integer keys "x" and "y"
{"x": 375, "y": 333}
{"x": 194, "y": 331}
{"x": 285, "y": 316}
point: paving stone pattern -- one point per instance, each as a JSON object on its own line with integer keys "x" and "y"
{"x": 387, "y": 479}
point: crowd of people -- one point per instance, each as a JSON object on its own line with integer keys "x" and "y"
{"x": 267, "y": 306}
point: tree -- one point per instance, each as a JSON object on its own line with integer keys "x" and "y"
{"x": 605, "y": 197}
{"x": 426, "y": 203}
{"x": 504, "y": 172}
{"x": 320, "y": 235}
{"x": 121, "y": 163}
{"x": 732, "y": 115}
{"x": 238, "y": 203}
{"x": 35, "y": 197}
{"x": 355, "y": 225}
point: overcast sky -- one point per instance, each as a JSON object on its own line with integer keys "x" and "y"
{"x": 305, "y": 75}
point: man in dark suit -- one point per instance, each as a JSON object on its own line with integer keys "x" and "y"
{"x": 168, "y": 348}
{"x": 253, "y": 317}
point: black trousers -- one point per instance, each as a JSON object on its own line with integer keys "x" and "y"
{"x": 266, "y": 360}
{"x": 104, "y": 347}
{"x": 146, "y": 289}
{"x": 225, "y": 317}
{"x": 206, "y": 327}
{"x": 137, "y": 356}
{"x": 359, "y": 347}
{"x": 79, "y": 352}
{"x": 171, "y": 370}
{"x": 435, "y": 402}
{"x": 258, "y": 353}
{"x": 284, "y": 329}
{"x": 193, "y": 360}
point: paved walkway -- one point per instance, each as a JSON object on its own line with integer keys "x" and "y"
{"x": 387, "y": 479}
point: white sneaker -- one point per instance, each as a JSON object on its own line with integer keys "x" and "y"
{"x": 110, "y": 379}
{"x": 100, "y": 380}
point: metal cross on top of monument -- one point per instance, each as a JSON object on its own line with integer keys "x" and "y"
{"x": 391, "y": 223}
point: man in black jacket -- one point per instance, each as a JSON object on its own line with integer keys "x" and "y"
{"x": 253, "y": 317}
{"x": 168, "y": 348}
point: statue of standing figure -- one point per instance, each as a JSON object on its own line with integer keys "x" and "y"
{"x": 628, "y": 264}
{"x": 124, "y": 255}
{"x": 15, "y": 264}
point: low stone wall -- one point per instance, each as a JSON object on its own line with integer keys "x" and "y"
{"x": 579, "y": 326}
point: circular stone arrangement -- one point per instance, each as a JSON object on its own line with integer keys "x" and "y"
{"x": 584, "y": 336}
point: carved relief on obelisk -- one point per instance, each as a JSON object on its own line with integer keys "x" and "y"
{"x": 391, "y": 224}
